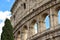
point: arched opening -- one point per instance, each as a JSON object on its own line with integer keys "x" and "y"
{"x": 33, "y": 27}
{"x": 24, "y": 32}
{"x": 36, "y": 27}
{"x": 18, "y": 36}
{"x": 58, "y": 12}
{"x": 47, "y": 23}
{"x": 59, "y": 17}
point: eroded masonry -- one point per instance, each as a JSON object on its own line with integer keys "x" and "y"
{"x": 27, "y": 13}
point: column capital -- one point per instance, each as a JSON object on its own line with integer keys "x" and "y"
{"x": 41, "y": 22}
{"x": 53, "y": 18}
{"x": 54, "y": 15}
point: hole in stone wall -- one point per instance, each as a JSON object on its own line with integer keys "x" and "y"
{"x": 18, "y": 35}
{"x": 36, "y": 27}
{"x": 24, "y": 32}
{"x": 59, "y": 17}
{"x": 47, "y": 23}
{"x": 24, "y": 5}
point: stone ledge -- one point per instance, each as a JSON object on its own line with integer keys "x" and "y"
{"x": 45, "y": 33}
{"x": 34, "y": 13}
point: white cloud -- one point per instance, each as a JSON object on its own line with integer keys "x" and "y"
{"x": 1, "y": 25}
{"x": 3, "y": 16}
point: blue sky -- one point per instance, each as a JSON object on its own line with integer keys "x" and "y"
{"x": 5, "y": 7}
{"x": 47, "y": 23}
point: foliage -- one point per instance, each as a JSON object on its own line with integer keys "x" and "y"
{"x": 7, "y": 33}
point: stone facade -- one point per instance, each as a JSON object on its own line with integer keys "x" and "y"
{"x": 25, "y": 13}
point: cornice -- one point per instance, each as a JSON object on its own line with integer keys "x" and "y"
{"x": 13, "y": 6}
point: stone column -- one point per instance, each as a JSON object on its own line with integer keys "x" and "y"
{"x": 32, "y": 30}
{"x": 53, "y": 18}
{"x": 39, "y": 28}
{"x": 21, "y": 34}
{"x": 41, "y": 25}
{"x": 24, "y": 35}
{"x": 28, "y": 33}
{"x": 15, "y": 38}
{"x": 18, "y": 36}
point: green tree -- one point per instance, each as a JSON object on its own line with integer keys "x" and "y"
{"x": 7, "y": 33}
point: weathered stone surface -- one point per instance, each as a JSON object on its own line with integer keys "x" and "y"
{"x": 25, "y": 13}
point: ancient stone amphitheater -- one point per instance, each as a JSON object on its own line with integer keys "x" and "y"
{"x": 27, "y": 13}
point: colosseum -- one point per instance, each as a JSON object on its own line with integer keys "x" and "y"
{"x": 27, "y": 13}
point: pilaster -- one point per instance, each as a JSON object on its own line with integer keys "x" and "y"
{"x": 41, "y": 25}
{"x": 53, "y": 18}
{"x": 24, "y": 34}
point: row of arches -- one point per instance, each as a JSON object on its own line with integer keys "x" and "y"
{"x": 46, "y": 21}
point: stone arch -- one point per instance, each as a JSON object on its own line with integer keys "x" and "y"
{"x": 45, "y": 19}
{"x": 42, "y": 21}
{"x": 47, "y": 22}
{"x": 18, "y": 36}
{"x": 57, "y": 8}
{"x": 44, "y": 16}
{"x": 24, "y": 32}
{"x": 58, "y": 13}
{"x": 59, "y": 17}
{"x": 33, "y": 27}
